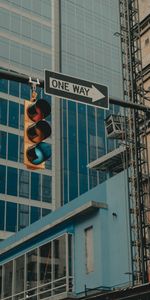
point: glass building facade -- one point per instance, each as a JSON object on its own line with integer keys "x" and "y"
{"x": 25, "y": 47}
{"x": 75, "y": 37}
{"x": 89, "y": 50}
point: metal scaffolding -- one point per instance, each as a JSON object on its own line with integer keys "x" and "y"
{"x": 136, "y": 140}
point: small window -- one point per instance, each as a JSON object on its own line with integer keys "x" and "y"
{"x": 89, "y": 250}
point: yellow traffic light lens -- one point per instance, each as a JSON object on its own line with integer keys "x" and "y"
{"x": 39, "y": 131}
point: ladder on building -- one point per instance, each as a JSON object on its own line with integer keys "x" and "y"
{"x": 136, "y": 140}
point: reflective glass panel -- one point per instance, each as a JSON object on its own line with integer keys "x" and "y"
{"x": 45, "y": 211}
{"x": 2, "y": 214}
{"x": 45, "y": 269}
{"x": 19, "y": 274}
{"x": 11, "y": 216}
{"x": 72, "y": 141}
{"x": 82, "y": 146}
{"x": 26, "y": 27}
{"x": 25, "y": 91}
{"x": 59, "y": 257}
{"x": 31, "y": 258}
{"x": 0, "y": 282}
{"x": 14, "y": 88}
{"x": 3, "y": 111}
{"x": 35, "y": 214}
{"x": 8, "y": 271}
{"x": 45, "y": 263}
{"x": 21, "y": 149}
{"x": 2, "y": 179}
{"x": 46, "y": 188}
{"x": 12, "y": 147}
{"x": 23, "y": 183}
{"x": 12, "y": 181}
{"x": 4, "y": 85}
{"x": 23, "y": 216}
{"x": 13, "y": 114}
{"x": 21, "y": 116}
{"x": 3, "y": 136}
{"x": 35, "y": 186}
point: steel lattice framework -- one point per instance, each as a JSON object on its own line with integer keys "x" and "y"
{"x": 136, "y": 140}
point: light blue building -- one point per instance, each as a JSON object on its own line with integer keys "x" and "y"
{"x": 76, "y": 38}
{"x": 82, "y": 244}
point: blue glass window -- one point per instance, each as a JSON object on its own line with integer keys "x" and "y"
{"x": 82, "y": 146}
{"x": 46, "y": 188}
{"x": 110, "y": 145}
{"x": 25, "y": 91}
{"x": 3, "y": 111}
{"x": 35, "y": 186}
{"x": 13, "y": 114}
{"x": 23, "y": 183}
{"x": 64, "y": 152}
{"x": 23, "y": 216}
{"x": 45, "y": 212}
{"x": 21, "y": 116}
{"x": 3, "y": 136}
{"x": 102, "y": 176}
{"x": 48, "y": 163}
{"x": 12, "y": 181}
{"x": 91, "y": 133}
{"x": 14, "y": 88}
{"x": 100, "y": 132}
{"x": 21, "y": 149}
{"x": 72, "y": 141}
{"x": 2, "y": 214}
{"x": 47, "y": 97}
{"x": 12, "y": 147}
{"x": 93, "y": 178}
{"x": 2, "y": 179}
{"x": 35, "y": 214}
{"x": 65, "y": 187}
{"x": 4, "y": 85}
{"x": 11, "y": 216}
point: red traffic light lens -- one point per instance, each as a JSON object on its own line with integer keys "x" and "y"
{"x": 39, "y": 110}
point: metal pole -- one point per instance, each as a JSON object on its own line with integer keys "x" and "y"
{"x": 18, "y": 77}
{"x": 26, "y": 79}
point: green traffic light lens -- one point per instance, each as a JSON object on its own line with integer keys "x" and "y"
{"x": 39, "y": 153}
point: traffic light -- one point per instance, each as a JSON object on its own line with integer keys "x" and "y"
{"x": 36, "y": 130}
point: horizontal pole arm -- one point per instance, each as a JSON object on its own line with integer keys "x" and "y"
{"x": 18, "y": 77}
{"x": 25, "y": 79}
{"x": 130, "y": 105}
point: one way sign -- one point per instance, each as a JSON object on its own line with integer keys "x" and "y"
{"x": 76, "y": 89}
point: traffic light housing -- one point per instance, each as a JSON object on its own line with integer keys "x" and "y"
{"x": 36, "y": 130}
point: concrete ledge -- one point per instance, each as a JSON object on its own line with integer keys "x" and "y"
{"x": 79, "y": 211}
